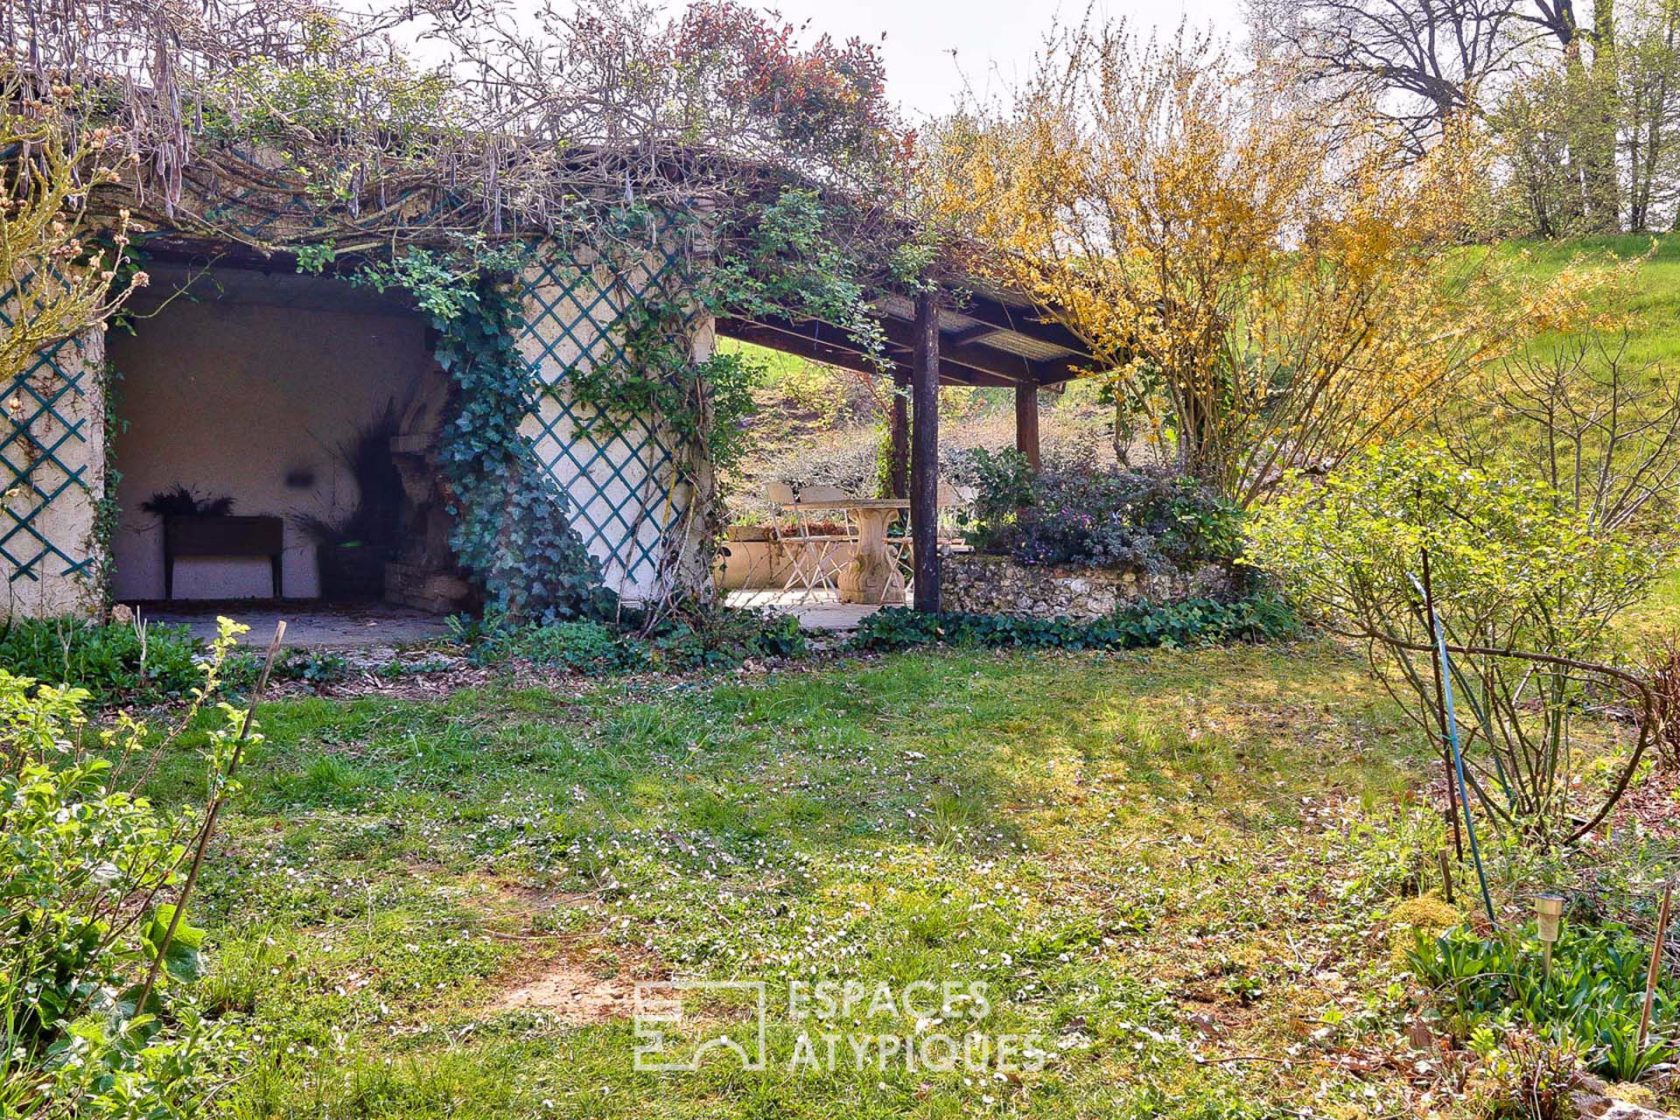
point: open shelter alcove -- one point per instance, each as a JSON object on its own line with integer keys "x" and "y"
{"x": 312, "y": 404}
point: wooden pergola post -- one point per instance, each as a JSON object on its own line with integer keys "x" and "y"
{"x": 1026, "y": 421}
{"x": 898, "y": 464}
{"x": 924, "y": 453}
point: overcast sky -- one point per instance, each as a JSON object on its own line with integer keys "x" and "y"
{"x": 934, "y": 46}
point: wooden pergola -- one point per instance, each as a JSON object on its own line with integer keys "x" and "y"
{"x": 996, "y": 339}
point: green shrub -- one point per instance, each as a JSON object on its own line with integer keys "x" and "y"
{"x": 1525, "y": 584}
{"x": 1593, "y": 998}
{"x": 705, "y": 639}
{"x": 724, "y": 639}
{"x": 1139, "y": 626}
{"x": 312, "y": 666}
{"x": 1522, "y": 1076}
{"x": 584, "y": 647}
{"x": 134, "y": 662}
{"x": 315, "y": 667}
{"x": 89, "y": 1025}
{"x": 1077, "y": 514}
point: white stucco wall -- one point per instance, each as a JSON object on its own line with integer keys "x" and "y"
{"x": 258, "y": 377}
{"x": 230, "y": 395}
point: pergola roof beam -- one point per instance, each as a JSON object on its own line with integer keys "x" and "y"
{"x": 824, "y": 343}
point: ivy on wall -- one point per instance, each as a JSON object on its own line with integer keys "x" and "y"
{"x": 512, "y": 519}
{"x": 512, "y": 529}
{"x": 107, "y": 514}
{"x": 782, "y": 258}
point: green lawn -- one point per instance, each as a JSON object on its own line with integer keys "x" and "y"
{"x": 1651, "y": 298}
{"x": 1176, "y": 872}
{"x": 1153, "y": 862}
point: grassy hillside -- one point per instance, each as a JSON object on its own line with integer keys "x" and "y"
{"x": 819, "y": 424}
{"x": 1652, "y": 298}
{"x": 1647, "y": 306}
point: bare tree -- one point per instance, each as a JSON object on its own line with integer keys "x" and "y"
{"x": 1649, "y": 81}
{"x": 1421, "y": 61}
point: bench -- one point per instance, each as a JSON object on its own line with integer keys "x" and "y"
{"x": 201, "y": 535}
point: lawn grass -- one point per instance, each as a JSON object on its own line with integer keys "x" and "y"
{"x": 1153, "y": 861}
{"x": 1650, "y": 301}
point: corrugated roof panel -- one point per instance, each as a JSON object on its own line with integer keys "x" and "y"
{"x": 1030, "y": 348}
{"x": 956, "y": 321}
{"x": 899, "y": 307}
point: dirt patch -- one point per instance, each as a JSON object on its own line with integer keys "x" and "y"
{"x": 1649, "y": 806}
{"x": 573, "y": 977}
{"x": 573, "y": 994}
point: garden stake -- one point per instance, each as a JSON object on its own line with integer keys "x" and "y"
{"x": 209, "y": 826}
{"x": 1444, "y": 679}
{"x": 1446, "y": 874}
{"x": 1548, "y": 915}
{"x": 1656, "y": 962}
{"x": 1441, "y": 715}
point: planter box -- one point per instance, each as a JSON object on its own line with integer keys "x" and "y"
{"x": 980, "y": 584}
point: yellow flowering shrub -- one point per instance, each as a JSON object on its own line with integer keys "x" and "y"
{"x": 1273, "y": 283}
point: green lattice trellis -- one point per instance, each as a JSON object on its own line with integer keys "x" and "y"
{"x": 46, "y": 452}
{"x": 619, "y": 473}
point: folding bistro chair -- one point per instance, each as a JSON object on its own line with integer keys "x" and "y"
{"x": 809, "y": 549}
{"x": 824, "y": 544}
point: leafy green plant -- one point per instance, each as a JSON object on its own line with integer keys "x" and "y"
{"x": 1526, "y": 589}
{"x": 512, "y": 528}
{"x": 723, "y": 639}
{"x": 1003, "y": 487}
{"x": 1079, "y": 515}
{"x": 96, "y": 1016}
{"x": 1522, "y": 1076}
{"x": 131, "y": 662}
{"x": 352, "y": 548}
{"x": 1592, "y": 999}
{"x": 181, "y": 500}
{"x": 787, "y": 255}
{"x": 584, "y": 646}
{"x": 1142, "y": 625}
{"x": 694, "y": 639}
{"x": 315, "y": 667}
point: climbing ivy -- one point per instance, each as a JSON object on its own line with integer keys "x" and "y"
{"x": 512, "y": 528}
{"x": 785, "y": 258}
{"x": 788, "y": 259}
{"x": 129, "y": 268}
{"x": 106, "y": 513}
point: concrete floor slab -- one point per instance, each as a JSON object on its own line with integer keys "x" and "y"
{"x": 816, "y": 610}
{"x": 309, "y": 624}
{"x": 317, "y": 625}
